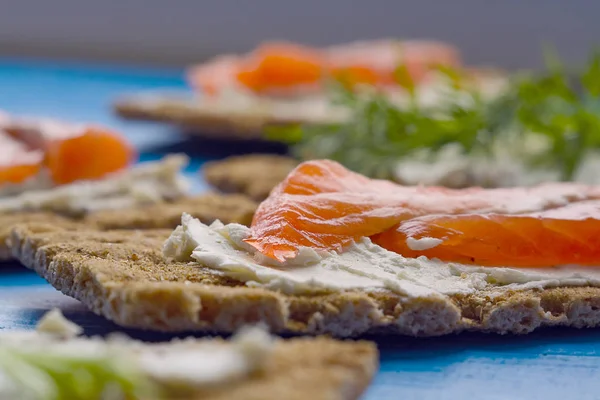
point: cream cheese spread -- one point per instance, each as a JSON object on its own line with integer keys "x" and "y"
{"x": 507, "y": 166}
{"x": 362, "y": 265}
{"x": 146, "y": 183}
{"x": 192, "y": 363}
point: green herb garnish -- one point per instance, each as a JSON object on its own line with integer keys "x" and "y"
{"x": 48, "y": 376}
{"x": 379, "y": 133}
{"x": 564, "y": 112}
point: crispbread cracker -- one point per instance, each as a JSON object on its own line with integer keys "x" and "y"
{"x": 208, "y": 207}
{"x": 122, "y": 275}
{"x": 202, "y": 120}
{"x": 247, "y": 119}
{"x": 303, "y": 368}
{"x": 253, "y": 175}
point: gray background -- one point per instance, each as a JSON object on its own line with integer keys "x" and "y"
{"x": 507, "y": 33}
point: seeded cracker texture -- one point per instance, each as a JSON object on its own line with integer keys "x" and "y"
{"x": 199, "y": 119}
{"x": 122, "y": 275}
{"x": 207, "y": 208}
{"x": 254, "y": 175}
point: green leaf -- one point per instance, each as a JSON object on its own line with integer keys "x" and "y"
{"x": 545, "y": 105}
{"x": 284, "y": 133}
{"x": 455, "y": 76}
{"x": 51, "y": 376}
{"x": 591, "y": 77}
{"x": 404, "y": 79}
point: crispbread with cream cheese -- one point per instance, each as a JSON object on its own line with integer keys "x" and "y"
{"x": 208, "y": 207}
{"x": 123, "y": 276}
{"x": 245, "y": 117}
{"x": 201, "y": 120}
{"x": 253, "y": 175}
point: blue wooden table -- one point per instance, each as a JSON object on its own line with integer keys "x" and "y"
{"x": 552, "y": 364}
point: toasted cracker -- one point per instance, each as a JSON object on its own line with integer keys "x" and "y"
{"x": 200, "y": 119}
{"x": 230, "y": 120}
{"x": 253, "y": 175}
{"x": 122, "y": 275}
{"x": 303, "y": 368}
{"x": 208, "y": 207}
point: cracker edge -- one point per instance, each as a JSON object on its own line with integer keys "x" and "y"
{"x": 214, "y": 308}
{"x": 207, "y": 207}
{"x": 199, "y": 121}
{"x": 228, "y": 176}
{"x": 303, "y": 368}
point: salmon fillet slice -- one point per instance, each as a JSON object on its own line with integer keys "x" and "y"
{"x": 323, "y": 205}
{"x": 566, "y": 235}
{"x": 285, "y": 68}
{"x": 67, "y": 152}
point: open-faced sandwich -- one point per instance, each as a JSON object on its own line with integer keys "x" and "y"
{"x": 237, "y": 96}
{"x": 331, "y": 251}
{"x": 544, "y": 128}
{"x": 54, "y": 171}
{"x": 56, "y": 362}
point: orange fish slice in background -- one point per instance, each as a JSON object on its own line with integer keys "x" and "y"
{"x": 17, "y": 162}
{"x": 323, "y": 205}
{"x": 68, "y": 152}
{"x": 281, "y": 66}
{"x": 566, "y": 235}
{"x": 375, "y": 62}
{"x": 284, "y": 68}
{"x": 93, "y": 154}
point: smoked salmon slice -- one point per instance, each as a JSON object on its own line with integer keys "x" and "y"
{"x": 67, "y": 152}
{"x": 93, "y": 154}
{"x": 325, "y": 206}
{"x": 285, "y": 68}
{"x": 17, "y": 162}
{"x": 566, "y": 235}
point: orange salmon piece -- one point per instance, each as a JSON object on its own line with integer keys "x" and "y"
{"x": 281, "y": 65}
{"x": 18, "y": 173}
{"x": 17, "y": 162}
{"x": 285, "y": 68}
{"x": 91, "y": 155}
{"x": 375, "y": 62}
{"x": 325, "y": 206}
{"x": 566, "y": 235}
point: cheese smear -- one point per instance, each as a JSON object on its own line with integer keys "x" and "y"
{"x": 146, "y": 183}
{"x": 362, "y": 265}
{"x": 234, "y": 100}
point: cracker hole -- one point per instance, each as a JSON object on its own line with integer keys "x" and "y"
{"x": 526, "y": 321}
{"x": 554, "y": 307}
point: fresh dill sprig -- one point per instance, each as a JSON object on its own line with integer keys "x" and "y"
{"x": 565, "y": 108}
{"x": 566, "y": 112}
{"x": 379, "y": 132}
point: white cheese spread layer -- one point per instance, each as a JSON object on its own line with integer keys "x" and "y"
{"x": 235, "y": 100}
{"x": 146, "y": 183}
{"x": 362, "y": 265}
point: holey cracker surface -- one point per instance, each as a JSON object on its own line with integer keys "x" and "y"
{"x": 164, "y": 215}
{"x": 124, "y": 276}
